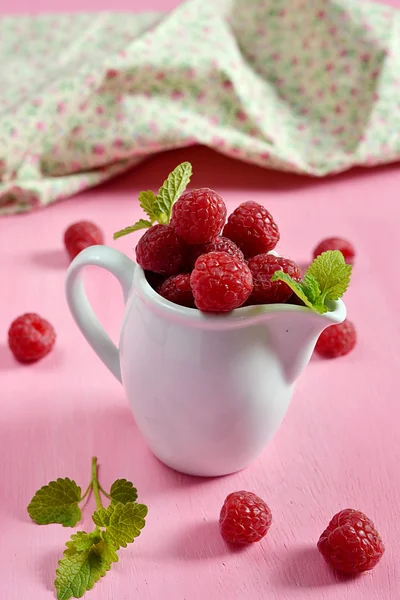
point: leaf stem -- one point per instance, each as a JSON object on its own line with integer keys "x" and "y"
{"x": 95, "y": 483}
{"x": 104, "y": 492}
{"x": 87, "y": 491}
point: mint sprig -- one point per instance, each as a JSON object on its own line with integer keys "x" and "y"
{"x": 326, "y": 279}
{"x": 88, "y": 556}
{"x": 158, "y": 207}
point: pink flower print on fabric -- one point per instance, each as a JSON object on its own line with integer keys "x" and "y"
{"x": 118, "y": 143}
{"x": 98, "y": 149}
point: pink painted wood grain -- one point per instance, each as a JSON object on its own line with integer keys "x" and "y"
{"x": 338, "y": 447}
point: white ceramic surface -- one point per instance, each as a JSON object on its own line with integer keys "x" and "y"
{"x": 208, "y": 392}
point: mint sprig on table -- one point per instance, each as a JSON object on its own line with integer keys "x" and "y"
{"x": 158, "y": 207}
{"x": 326, "y": 279}
{"x": 88, "y": 556}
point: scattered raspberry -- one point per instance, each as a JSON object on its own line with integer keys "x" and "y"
{"x": 337, "y": 340}
{"x": 161, "y": 250}
{"x": 80, "y": 236}
{"x": 335, "y": 243}
{"x": 220, "y": 282}
{"x": 244, "y": 518}
{"x": 218, "y": 244}
{"x": 350, "y": 543}
{"x": 177, "y": 289}
{"x": 30, "y": 337}
{"x": 266, "y": 291}
{"x": 198, "y": 216}
{"x": 252, "y": 228}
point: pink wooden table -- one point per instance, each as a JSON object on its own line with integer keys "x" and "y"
{"x": 337, "y": 448}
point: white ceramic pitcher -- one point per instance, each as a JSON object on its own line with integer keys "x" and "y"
{"x": 208, "y": 392}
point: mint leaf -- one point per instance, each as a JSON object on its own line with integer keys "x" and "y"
{"x": 123, "y": 522}
{"x": 148, "y": 201}
{"x": 332, "y": 274}
{"x": 173, "y": 187}
{"x": 158, "y": 208}
{"x": 311, "y": 288}
{"x": 295, "y": 286}
{"x": 122, "y": 491}
{"x": 327, "y": 278}
{"x": 81, "y": 541}
{"x": 141, "y": 224}
{"x": 86, "y": 559}
{"x": 56, "y": 502}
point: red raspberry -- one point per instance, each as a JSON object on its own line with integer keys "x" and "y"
{"x": 350, "y": 543}
{"x": 80, "y": 236}
{"x": 337, "y": 340}
{"x": 161, "y": 250}
{"x": 262, "y": 268}
{"x": 252, "y": 228}
{"x": 335, "y": 243}
{"x": 198, "y": 216}
{"x": 218, "y": 244}
{"x": 30, "y": 337}
{"x": 177, "y": 289}
{"x": 220, "y": 282}
{"x": 244, "y": 518}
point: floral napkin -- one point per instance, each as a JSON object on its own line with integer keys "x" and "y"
{"x": 296, "y": 85}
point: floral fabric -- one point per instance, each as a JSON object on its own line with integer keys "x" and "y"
{"x": 295, "y": 85}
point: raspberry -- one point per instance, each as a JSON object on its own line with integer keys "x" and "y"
{"x": 218, "y": 244}
{"x": 198, "y": 216}
{"x": 266, "y": 291}
{"x": 335, "y": 243}
{"x": 161, "y": 250}
{"x": 177, "y": 289}
{"x": 30, "y": 337}
{"x": 81, "y": 235}
{"x": 252, "y": 228}
{"x": 244, "y": 518}
{"x": 350, "y": 543}
{"x": 220, "y": 282}
{"x": 337, "y": 340}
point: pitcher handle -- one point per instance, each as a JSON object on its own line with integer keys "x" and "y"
{"x": 123, "y": 269}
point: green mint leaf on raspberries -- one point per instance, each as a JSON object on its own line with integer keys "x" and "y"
{"x": 158, "y": 208}
{"x": 148, "y": 201}
{"x": 56, "y": 502}
{"x": 122, "y": 491}
{"x": 86, "y": 559}
{"x": 332, "y": 273}
{"x": 300, "y": 289}
{"x": 141, "y": 224}
{"x": 311, "y": 288}
{"x": 327, "y": 278}
{"x": 173, "y": 187}
{"x": 123, "y": 522}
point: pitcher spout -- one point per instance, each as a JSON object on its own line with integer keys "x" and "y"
{"x": 293, "y": 334}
